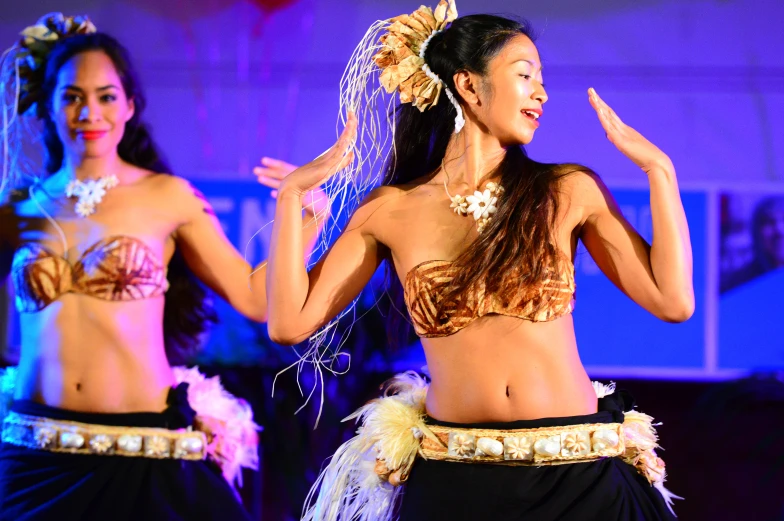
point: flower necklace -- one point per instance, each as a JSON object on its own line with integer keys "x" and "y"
{"x": 482, "y": 205}
{"x": 90, "y": 193}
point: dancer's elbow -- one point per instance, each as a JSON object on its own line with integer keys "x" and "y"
{"x": 678, "y": 309}
{"x": 283, "y": 333}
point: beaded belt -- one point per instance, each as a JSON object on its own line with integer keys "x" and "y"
{"x": 540, "y": 446}
{"x": 83, "y": 438}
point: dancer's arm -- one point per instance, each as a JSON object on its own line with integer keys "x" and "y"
{"x": 301, "y": 302}
{"x": 216, "y": 262}
{"x": 657, "y": 276}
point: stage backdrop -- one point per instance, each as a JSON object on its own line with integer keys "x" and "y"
{"x": 231, "y": 80}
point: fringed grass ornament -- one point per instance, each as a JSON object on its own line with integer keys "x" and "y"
{"x": 386, "y": 59}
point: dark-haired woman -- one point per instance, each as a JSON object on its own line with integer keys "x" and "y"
{"x": 510, "y": 427}
{"x": 105, "y": 252}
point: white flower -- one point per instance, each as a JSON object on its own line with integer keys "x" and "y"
{"x": 84, "y": 208}
{"x": 481, "y": 204}
{"x": 110, "y": 181}
{"x": 92, "y": 192}
{"x": 73, "y": 188}
{"x": 495, "y": 188}
{"x": 89, "y": 193}
{"x": 459, "y": 204}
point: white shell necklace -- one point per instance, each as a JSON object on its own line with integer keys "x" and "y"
{"x": 90, "y": 193}
{"x": 482, "y": 205}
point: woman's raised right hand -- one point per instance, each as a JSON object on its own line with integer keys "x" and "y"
{"x": 317, "y": 172}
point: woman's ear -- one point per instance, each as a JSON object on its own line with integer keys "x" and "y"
{"x": 467, "y": 85}
{"x": 131, "y": 110}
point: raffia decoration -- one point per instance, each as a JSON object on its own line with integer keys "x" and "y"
{"x": 399, "y": 59}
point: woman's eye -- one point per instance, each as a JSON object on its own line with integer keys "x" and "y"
{"x": 108, "y": 98}
{"x": 70, "y": 98}
{"x": 526, "y": 76}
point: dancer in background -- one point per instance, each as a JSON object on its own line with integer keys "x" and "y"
{"x": 482, "y": 240}
{"x": 106, "y": 251}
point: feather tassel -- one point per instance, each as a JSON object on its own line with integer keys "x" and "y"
{"x": 227, "y": 421}
{"x": 350, "y": 488}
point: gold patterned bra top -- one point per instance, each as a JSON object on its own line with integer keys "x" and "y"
{"x": 118, "y": 268}
{"x": 426, "y": 284}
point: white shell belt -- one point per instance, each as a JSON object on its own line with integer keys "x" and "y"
{"x": 540, "y": 446}
{"x": 35, "y": 432}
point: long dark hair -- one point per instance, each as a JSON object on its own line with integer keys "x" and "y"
{"x": 520, "y": 237}
{"x": 188, "y": 310}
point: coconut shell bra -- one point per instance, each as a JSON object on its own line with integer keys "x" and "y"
{"x": 118, "y": 268}
{"x": 426, "y": 284}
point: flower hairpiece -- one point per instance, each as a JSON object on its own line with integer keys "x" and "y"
{"x": 402, "y": 60}
{"x": 35, "y": 45}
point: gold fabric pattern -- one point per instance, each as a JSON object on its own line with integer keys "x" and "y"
{"x": 118, "y": 268}
{"x": 427, "y": 282}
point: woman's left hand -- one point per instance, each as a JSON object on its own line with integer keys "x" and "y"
{"x": 271, "y": 173}
{"x": 631, "y": 143}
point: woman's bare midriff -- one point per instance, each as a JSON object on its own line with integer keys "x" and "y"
{"x": 84, "y": 354}
{"x": 501, "y": 369}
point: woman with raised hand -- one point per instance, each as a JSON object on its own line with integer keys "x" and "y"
{"x": 482, "y": 240}
{"x": 106, "y": 251}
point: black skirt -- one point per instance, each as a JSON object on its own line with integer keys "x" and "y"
{"x": 602, "y": 490}
{"x": 41, "y": 485}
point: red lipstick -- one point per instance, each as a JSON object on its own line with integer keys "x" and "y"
{"x": 91, "y": 135}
